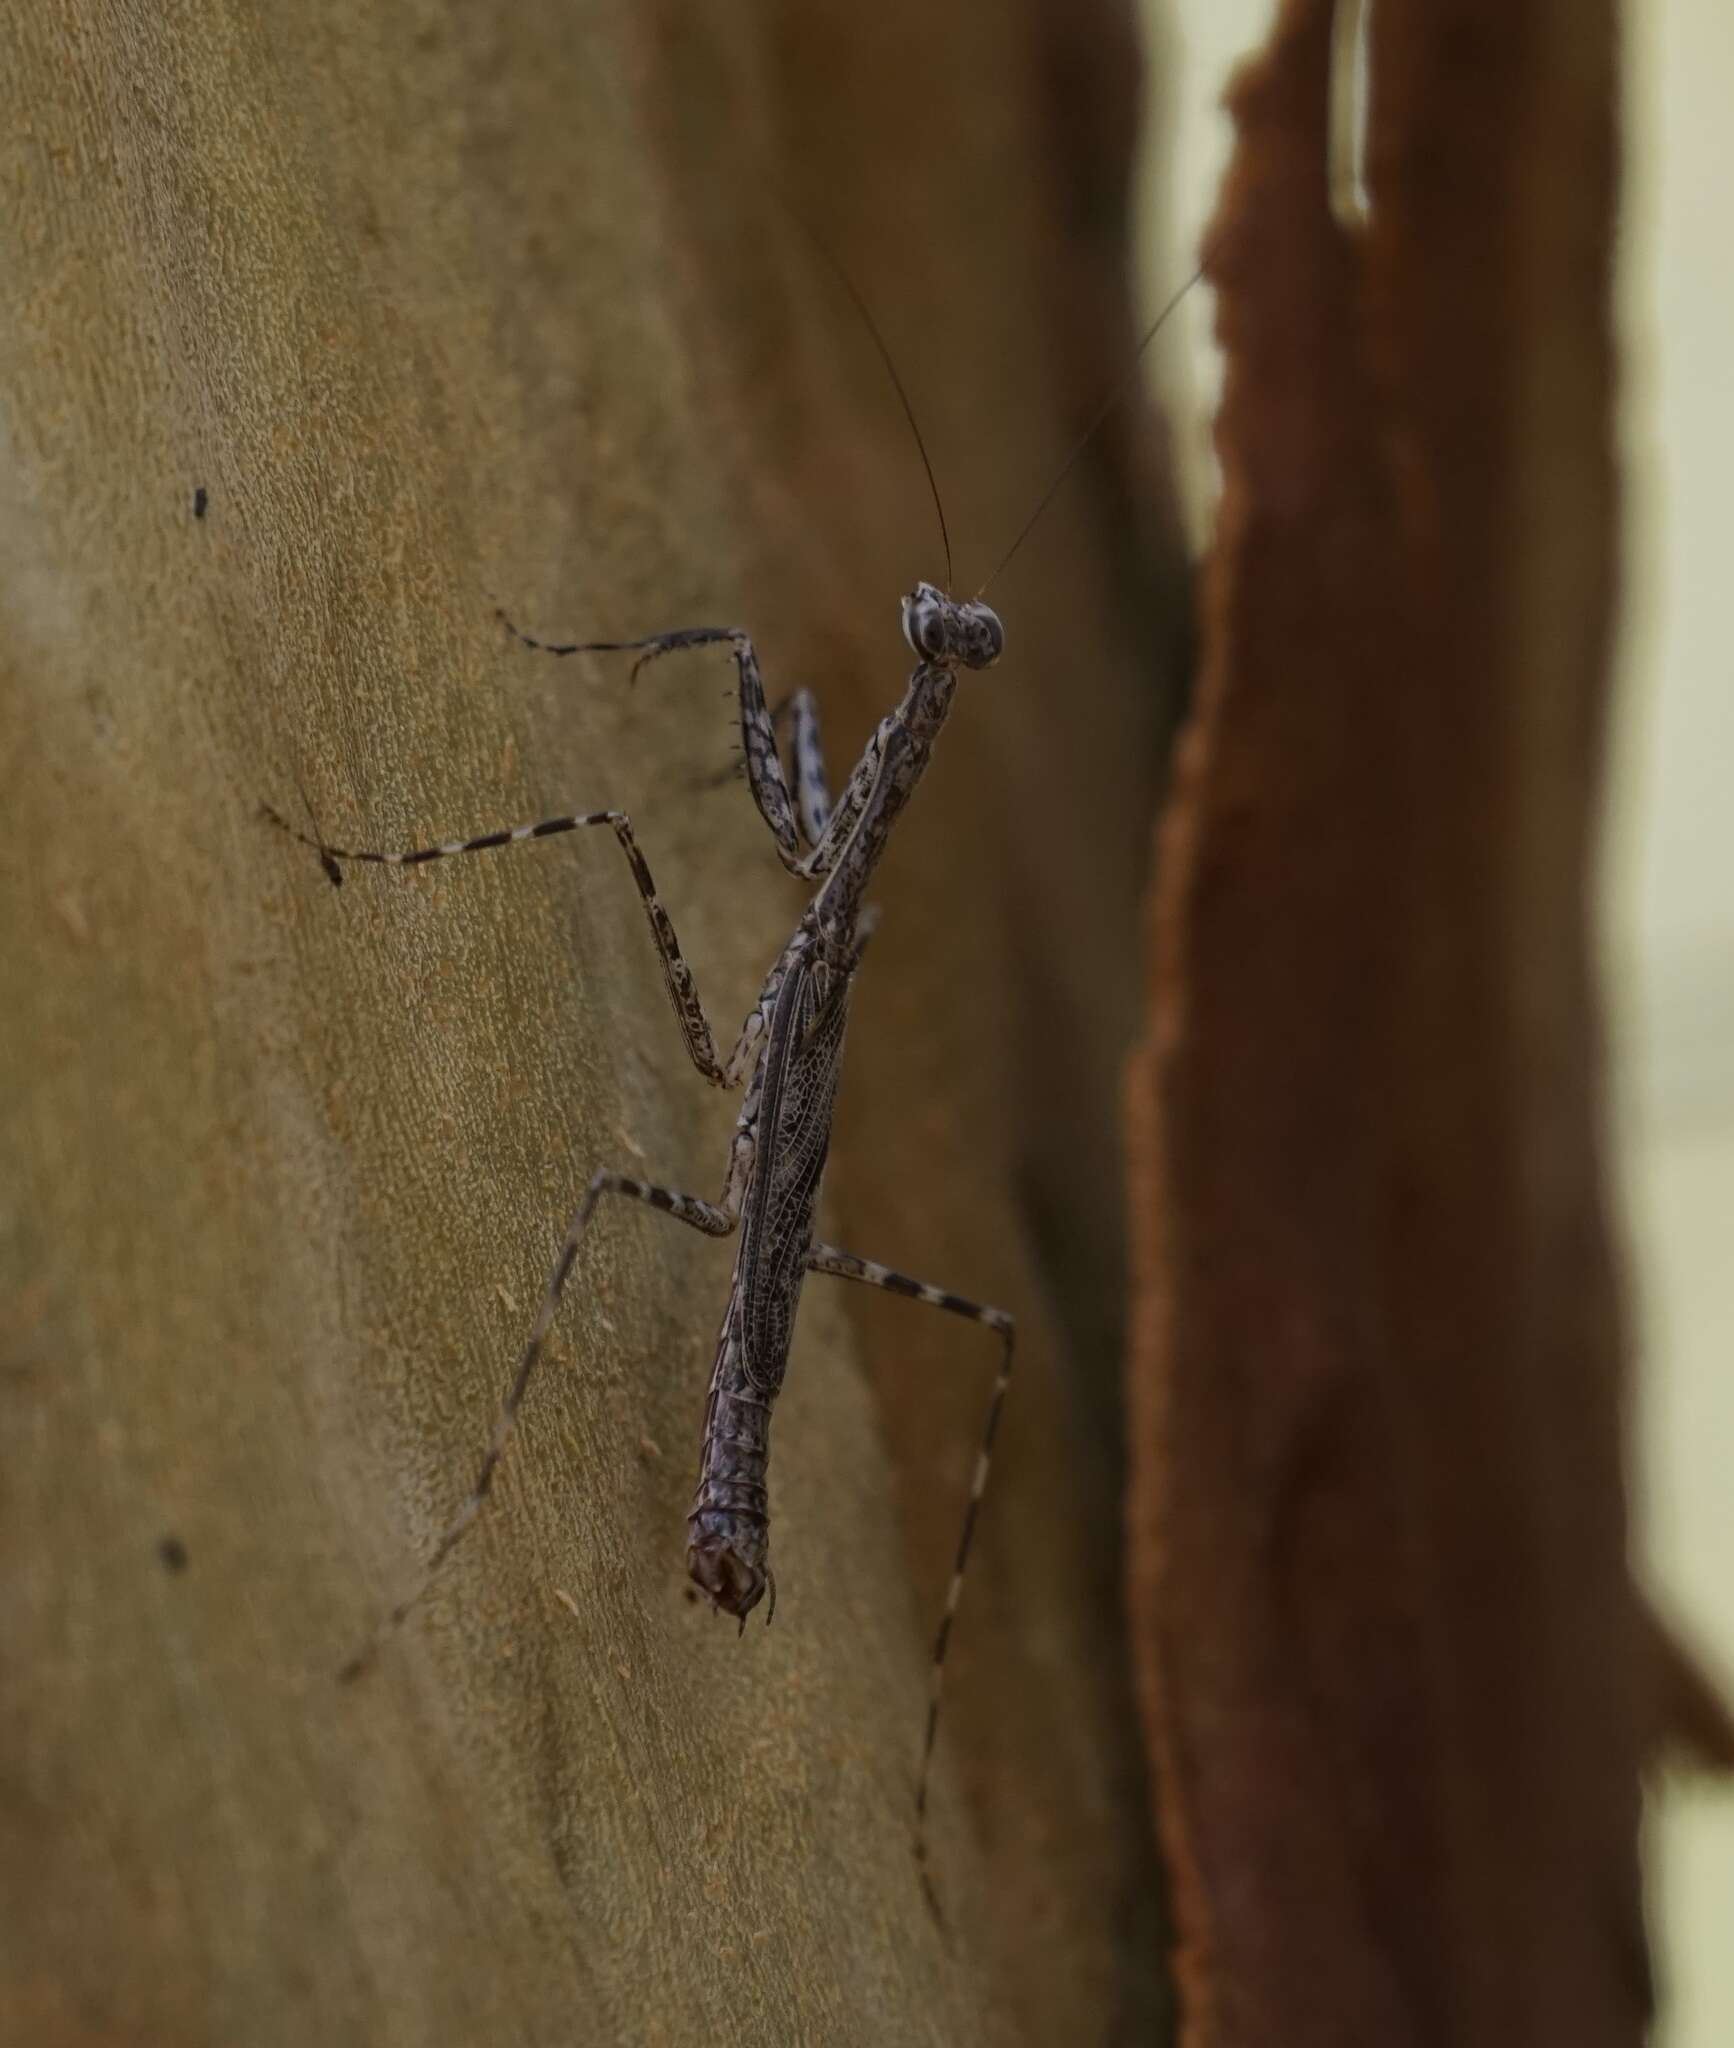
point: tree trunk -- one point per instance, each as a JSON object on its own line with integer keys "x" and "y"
{"x": 321, "y": 339}
{"x": 1397, "y": 1678}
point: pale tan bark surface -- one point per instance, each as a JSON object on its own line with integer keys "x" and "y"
{"x": 440, "y": 309}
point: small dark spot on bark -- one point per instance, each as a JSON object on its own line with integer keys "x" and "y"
{"x": 201, "y": 498}
{"x": 173, "y": 1553}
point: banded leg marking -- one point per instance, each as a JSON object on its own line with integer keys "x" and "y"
{"x": 714, "y": 1219}
{"x": 807, "y": 764}
{"x": 824, "y": 1258}
{"x": 758, "y": 728}
{"x": 826, "y": 830}
{"x": 418, "y": 856}
{"x": 677, "y": 976}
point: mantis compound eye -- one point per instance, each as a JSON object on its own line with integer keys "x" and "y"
{"x": 924, "y": 622}
{"x": 983, "y": 636}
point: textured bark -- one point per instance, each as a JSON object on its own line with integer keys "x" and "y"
{"x": 1394, "y": 1670}
{"x": 438, "y": 305}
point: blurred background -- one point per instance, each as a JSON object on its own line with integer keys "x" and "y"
{"x": 1668, "y": 898}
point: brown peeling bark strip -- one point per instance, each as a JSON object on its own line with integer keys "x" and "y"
{"x": 1389, "y": 1653}
{"x": 1692, "y": 1725}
